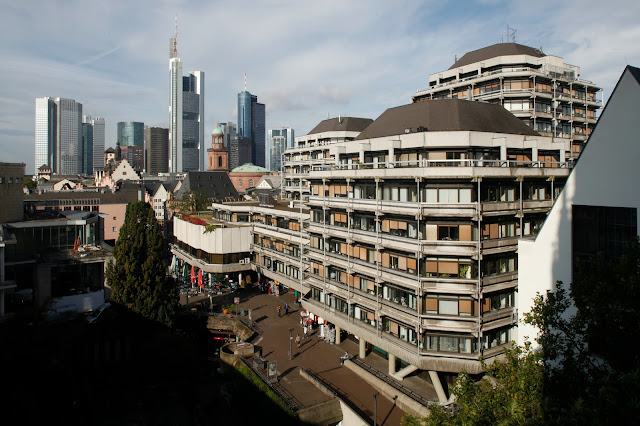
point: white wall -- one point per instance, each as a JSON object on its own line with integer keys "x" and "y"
{"x": 607, "y": 174}
{"x": 219, "y": 241}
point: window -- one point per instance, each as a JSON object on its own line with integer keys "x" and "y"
{"x": 239, "y": 183}
{"x": 219, "y": 161}
{"x": 115, "y": 229}
{"x": 250, "y": 183}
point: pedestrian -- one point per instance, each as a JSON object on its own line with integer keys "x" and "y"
{"x": 297, "y": 340}
{"x": 286, "y": 309}
{"x": 279, "y": 314}
{"x": 305, "y": 331}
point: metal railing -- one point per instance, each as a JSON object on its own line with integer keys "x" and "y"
{"x": 448, "y": 163}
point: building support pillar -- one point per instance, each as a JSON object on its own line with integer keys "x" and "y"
{"x": 392, "y": 364}
{"x": 338, "y": 335}
{"x": 363, "y": 349}
{"x": 435, "y": 380}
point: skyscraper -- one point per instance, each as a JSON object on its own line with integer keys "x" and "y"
{"x": 156, "y": 142}
{"x": 278, "y": 140}
{"x": 130, "y": 141}
{"x": 87, "y": 149}
{"x": 251, "y": 124}
{"x": 229, "y": 130}
{"x": 46, "y": 130}
{"x": 97, "y": 125}
{"x": 58, "y": 135}
{"x": 186, "y": 114}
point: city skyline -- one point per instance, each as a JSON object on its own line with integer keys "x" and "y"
{"x": 118, "y": 70}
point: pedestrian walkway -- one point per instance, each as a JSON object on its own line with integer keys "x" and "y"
{"x": 321, "y": 358}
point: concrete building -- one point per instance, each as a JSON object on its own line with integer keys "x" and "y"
{"x": 596, "y": 211}
{"x": 186, "y": 115}
{"x": 156, "y": 142}
{"x": 87, "y": 149}
{"x": 312, "y": 151}
{"x": 278, "y": 141}
{"x": 543, "y": 91}
{"x": 239, "y": 151}
{"x": 412, "y": 226}
{"x": 229, "y": 130}
{"x": 11, "y": 192}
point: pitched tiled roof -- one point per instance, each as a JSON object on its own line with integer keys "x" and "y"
{"x": 214, "y": 185}
{"x": 500, "y": 49}
{"x": 446, "y": 115}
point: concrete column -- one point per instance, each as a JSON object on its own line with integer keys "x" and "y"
{"x": 391, "y": 156}
{"x": 392, "y": 364}
{"x": 337, "y": 335}
{"x": 363, "y": 349}
{"x": 435, "y": 379}
{"x": 534, "y": 154}
{"x": 503, "y": 152}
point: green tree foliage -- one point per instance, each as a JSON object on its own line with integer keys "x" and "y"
{"x": 197, "y": 201}
{"x": 510, "y": 393}
{"x": 586, "y": 372}
{"x": 137, "y": 279}
{"x": 587, "y": 334}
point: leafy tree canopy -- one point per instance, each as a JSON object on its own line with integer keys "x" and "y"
{"x": 137, "y": 278}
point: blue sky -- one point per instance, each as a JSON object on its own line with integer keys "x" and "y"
{"x": 304, "y": 60}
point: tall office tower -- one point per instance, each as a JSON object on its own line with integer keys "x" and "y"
{"x": 239, "y": 151}
{"x": 45, "y": 130}
{"x": 87, "y": 149}
{"x": 193, "y": 121}
{"x": 278, "y": 141}
{"x": 156, "y": 143}
{"x": 228, "y": 130}
{"x": 130, "y": 141}
{"x": 98, "y": 140}
{"x": 251, "y": 124}
{"x": 540, "y": 89}
{"x": 58, "y": 135}
{"x": 186, "y": 114}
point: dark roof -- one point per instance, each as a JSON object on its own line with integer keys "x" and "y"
{"x": 500, "y": 49}
{"x": 351, "y": 124}
{"x": 110, "y": 150}
{"x": 214, "y": 185}
{"x": 635, "y": 72}
{"x": 123, "y": 196}
{"x": 446, "y": 115}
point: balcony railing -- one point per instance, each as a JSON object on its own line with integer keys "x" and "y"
{"x": 447, "y": 163}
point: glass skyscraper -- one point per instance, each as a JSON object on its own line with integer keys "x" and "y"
{"x": 251, "y": 125}
{"x": 58, "y": 135}
{"x": 278, "y": 140}
{"x": 130, "y": 133}
{"x": 186, "y": 115}
{"x": 87, "y": 149}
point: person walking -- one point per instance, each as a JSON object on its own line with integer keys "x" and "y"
{"x": 279, "y": 311}
{"x": 286, "y": 309}
{"x": 305, "y": 331}
{"x": 297, "y": 340}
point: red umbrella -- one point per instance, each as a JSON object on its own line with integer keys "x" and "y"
{"x": 200, "y": 283}
{"x": 193, "y": 275}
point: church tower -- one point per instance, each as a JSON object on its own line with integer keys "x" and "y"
{"x": 218, "y": 155}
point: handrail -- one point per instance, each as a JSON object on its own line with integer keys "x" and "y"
{"x": 447, "y": 163}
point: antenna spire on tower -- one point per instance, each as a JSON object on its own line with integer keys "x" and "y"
{"x": 245, "y": 81}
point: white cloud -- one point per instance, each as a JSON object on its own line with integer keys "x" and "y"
{"x": 303, "y": 59}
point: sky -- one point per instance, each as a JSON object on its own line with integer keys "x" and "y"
{"x": 304, "y": 60}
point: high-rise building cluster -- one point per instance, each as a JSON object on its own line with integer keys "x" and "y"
{"x": 251, "y": 126}
{"x": 186, "y": 115}
{"x": 278, "y": 141}
{"x": 66, "y": 141}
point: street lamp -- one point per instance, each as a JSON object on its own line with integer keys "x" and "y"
{"x": 375, "y": 408}
{"x": 290, "y": 344}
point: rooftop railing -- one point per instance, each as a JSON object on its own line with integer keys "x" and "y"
{"x": 446, "y": 163}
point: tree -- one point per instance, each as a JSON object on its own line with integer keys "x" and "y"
{"x": 138, "y": 277}
{"x": 198, "y": 201}
{"x": 509, "y": 393}
{"x": 586, "y": 334}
